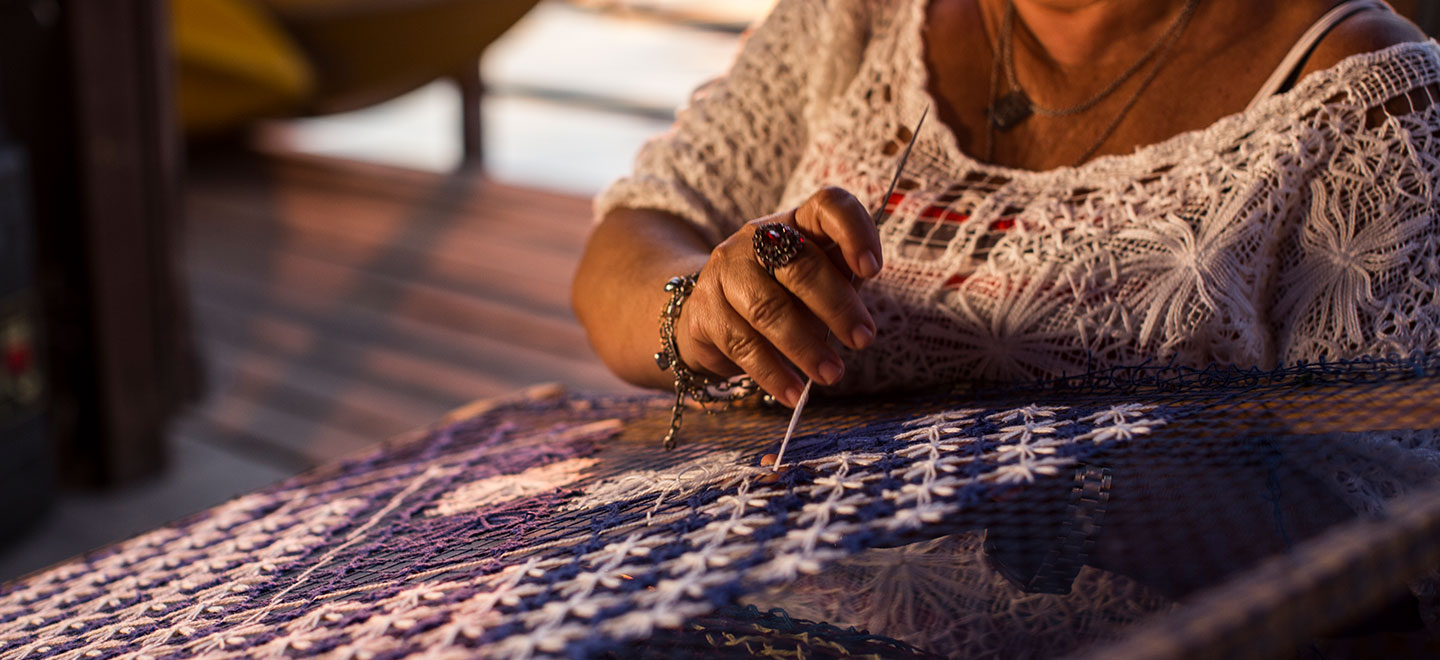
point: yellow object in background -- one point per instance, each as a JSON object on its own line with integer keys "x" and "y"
{"x": 242, "y": 60}
{"x": 235, "y": 64}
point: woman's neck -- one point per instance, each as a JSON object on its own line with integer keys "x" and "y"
{"x": 1075, "y": 35}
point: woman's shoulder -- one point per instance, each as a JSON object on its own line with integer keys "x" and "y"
{"x": 835, "y": 22}
{"x": 846, "y": 11}
{"x": 874, "y": 9}
{"x": 1365, "y": 32}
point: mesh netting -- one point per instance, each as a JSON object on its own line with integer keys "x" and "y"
{"x": 1249, "y": 513}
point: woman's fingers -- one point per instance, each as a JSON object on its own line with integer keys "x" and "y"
{"x": 729, "y": 342}
{"x": 786, "y": 324}
{"x": 743, "y": 318}
{"x": 832, "y": 215}
{"x": 829, "y": 295}
{"x": 826, "y": 290}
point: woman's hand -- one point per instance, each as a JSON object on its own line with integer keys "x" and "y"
{"x": 741, "y": 319}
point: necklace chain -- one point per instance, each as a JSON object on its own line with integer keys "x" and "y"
{"x": 1007, "y": 46}
{"x": 1010, "y": 110}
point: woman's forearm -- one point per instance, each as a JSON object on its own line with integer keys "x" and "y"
{"x": 619, "y": 287}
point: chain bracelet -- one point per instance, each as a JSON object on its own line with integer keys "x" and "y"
{"x": 688, "y": 383}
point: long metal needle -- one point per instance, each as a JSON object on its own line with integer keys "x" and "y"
{"x": 876, "y": 217}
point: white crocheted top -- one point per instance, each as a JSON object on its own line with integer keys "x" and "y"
{"x": 1300, "y": 229}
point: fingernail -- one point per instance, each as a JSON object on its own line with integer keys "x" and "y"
{"x": 869, "y": 265}
{"x": 792, "y": 396}
{"x": 830, "y": 372}
{"x": 862, "y": 336}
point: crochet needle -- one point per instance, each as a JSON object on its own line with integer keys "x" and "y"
{"x": 877, "y": 216}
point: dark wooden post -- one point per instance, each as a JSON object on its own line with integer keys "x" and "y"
{"x": 472, "y": 94}
{"x": 95, "y": 112}
{"x": 129, "y": 153}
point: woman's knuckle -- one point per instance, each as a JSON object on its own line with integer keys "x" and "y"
{"x": 830, "y": 196}
{"x": 768, "y": 311}
{"x": 742, "y": 347}
{"x": 806, "y": 277}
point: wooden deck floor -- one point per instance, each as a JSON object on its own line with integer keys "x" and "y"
{"x": 338, "y": 303}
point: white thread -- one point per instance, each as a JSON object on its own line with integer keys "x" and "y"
{"x": 354, "y": 536}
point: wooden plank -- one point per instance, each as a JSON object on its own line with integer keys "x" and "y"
{"x": 385, "y": 180}
{"x": 423, "y": 213}
{"x": 356, "y": 405}
{"x": 340, "y": 300}
{"x": 508, "y": 365}
{"x": 299, "y": 442}
{"x": 327, "y": 291}
{"x": 401, "y": 224}
{"x": 422, "y": 377}
{"x": 490, "y": 269}
{"x": 476, "y": 205}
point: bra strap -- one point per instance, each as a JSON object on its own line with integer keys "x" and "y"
{"x": 1301, "y": 51}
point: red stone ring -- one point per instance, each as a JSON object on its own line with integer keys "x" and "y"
{"x": 776, "y": 244}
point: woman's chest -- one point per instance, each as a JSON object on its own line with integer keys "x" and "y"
{"x": 1141, "y": 92}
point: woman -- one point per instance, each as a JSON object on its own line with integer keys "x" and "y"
{"x": 824, "y": 94}
{"x": 1104, "y": 182}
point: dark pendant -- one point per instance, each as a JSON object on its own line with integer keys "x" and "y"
{"x": 1010, "y": 109}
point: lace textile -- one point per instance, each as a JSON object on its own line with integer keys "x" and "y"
{"x": 554, "y": 527}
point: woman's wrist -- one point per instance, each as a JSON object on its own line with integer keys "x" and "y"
{"x": 689, "y": 383}
{"x": 618, "y": 287}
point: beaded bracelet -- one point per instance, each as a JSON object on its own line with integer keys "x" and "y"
{"x": 699, "y": 388}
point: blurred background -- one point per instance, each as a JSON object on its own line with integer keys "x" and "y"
{"x": 240, "y": 238}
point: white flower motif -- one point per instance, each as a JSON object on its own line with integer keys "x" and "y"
{"x": 787, "y": 566}
{"x": 737, "y": 504}
{"x": 1347, "y": 244}
{"x": 842, "y": 461}
{"x": 543, "y": 479}
{"x": 949, "y": 419}
{"x": 641, "y": 623}
{"x": 1022, "y": 452}
{"x": 821, "y": 512}
{"x": 1029, "y": 413}
{"x": 925, "y": 470}
{"x": 1121, "y": 431}
{"x": 1024, "y": 433}
{"x": 837, "y": 484}
{"x": 717, "y": 531}
{"x": 1004, "y": 325}
{"x": 1027, "y": 471}
{"x": 1191, "y": 269}
{"x": 1118, "y": 413}
{"x": 918, "y": 515}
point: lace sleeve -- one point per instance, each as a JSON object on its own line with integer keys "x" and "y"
{"x": 730, "y": 152}
{"x": 1361, "y": 274}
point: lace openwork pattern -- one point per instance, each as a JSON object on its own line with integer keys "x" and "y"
{"x": 420, "y": 549}
{"x": 1300, "y": 230}
{"x": 555, "y": 527}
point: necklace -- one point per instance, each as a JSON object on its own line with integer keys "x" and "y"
{"x": 1010, "y": 110}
